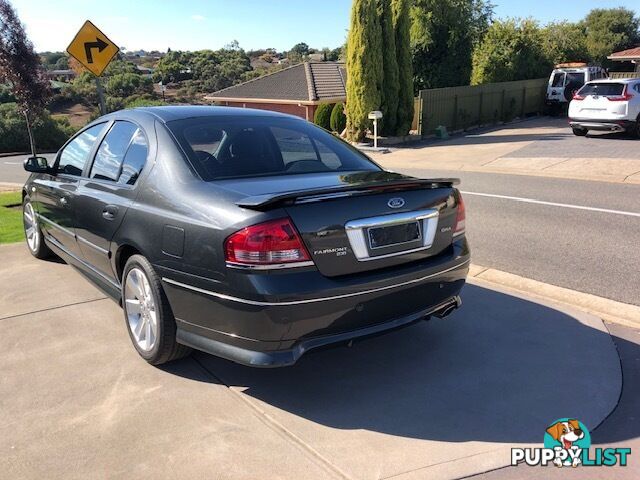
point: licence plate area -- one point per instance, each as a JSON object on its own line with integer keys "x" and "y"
{"x": 394, "y": 234}
{"x": 380, "y": 237}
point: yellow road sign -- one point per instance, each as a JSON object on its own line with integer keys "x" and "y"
{"x": 92, "y": 48}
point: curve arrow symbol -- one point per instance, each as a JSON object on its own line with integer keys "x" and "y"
{"x": 99, "y": 44}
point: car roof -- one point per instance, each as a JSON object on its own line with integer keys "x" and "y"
{"x": 180, "y": 112}
{"x": 615, "y": 80}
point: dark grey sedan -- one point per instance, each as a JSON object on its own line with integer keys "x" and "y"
{"x": 247, "y": 234}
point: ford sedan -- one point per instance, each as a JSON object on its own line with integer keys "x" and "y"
{"x": 250, "y": 235}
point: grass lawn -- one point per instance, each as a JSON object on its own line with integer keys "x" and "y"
{"x": 11, "y": 217}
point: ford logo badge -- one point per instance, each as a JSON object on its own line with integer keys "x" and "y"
{"x": 396, "y": 202}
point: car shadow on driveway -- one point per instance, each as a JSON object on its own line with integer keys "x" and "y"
{"x": 499, "y": 370}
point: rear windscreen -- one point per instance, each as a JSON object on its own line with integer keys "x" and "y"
{"x": 245, "y": 146}
{"x": 602, "y": 89}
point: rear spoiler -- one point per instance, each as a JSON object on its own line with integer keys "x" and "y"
{"x": 294, "y": 197}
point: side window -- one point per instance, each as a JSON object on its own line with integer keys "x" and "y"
{"x": 297, "y": 146}
{"x": 75, "y": 155}
{"x": 294, "y": 146}
{"x": 637, "y": 87}
{"x": 108, "y": 162}
{"x": 134, "y": 159}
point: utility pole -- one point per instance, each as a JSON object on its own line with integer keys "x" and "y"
{"x": 103, "y": 108}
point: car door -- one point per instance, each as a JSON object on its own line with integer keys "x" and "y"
{"x": 55, "y": 194}
{"x": 104, "y": 196}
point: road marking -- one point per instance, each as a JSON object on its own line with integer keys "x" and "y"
{"x": 554, "y": 204}
{"x": 12, "y": 163}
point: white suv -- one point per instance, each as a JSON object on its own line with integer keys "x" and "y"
{"x": 609, "y": 105}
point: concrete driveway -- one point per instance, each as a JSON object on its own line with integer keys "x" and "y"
{"x": 543, "y": 146}
{"x": 441, "y": 399}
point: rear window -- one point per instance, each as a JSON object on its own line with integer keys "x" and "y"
{"x": 575, "y": 78}
{"x": 602, "y": 89}
{"x": 243, "y": 146}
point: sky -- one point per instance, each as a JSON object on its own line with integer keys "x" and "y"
{"x": 201, "y": 24}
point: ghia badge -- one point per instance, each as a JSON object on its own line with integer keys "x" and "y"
{"x": 396, "y": 202}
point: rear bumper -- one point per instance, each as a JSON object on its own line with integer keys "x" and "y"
{"x": 601, "y": 124}
{"x": 289, "y": 356}
{"x": 297, "y": 311}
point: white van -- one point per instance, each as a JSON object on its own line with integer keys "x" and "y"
{"x": 568, "y": 78}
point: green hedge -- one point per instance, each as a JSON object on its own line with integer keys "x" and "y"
{"x": 50, "y": 133}
{"x": 338, "y": 120}
{"x": 322, "y": 117}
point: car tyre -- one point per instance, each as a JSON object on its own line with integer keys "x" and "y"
{"x": 147, "y": 313}
{"x": 32, "y": 231}
{"x": 635, "y": 132}
{"x": 580, "y": 132}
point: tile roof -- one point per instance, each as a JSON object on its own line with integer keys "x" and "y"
{"x": 630, "y": 53}
{"x": 307, "y": 81}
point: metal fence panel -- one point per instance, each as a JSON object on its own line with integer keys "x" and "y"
{"x": 459, "y": 108}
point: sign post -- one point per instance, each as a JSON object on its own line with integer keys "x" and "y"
{"x": 375, "y": 116}
{"x": 94, "y": 51}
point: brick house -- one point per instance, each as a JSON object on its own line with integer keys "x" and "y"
{"x": 297, "y": 90}
{"x": 631, "y": 55}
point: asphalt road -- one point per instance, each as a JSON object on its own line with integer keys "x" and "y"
{"x": 11, "y": 170}
{"x": 583, "y": 235}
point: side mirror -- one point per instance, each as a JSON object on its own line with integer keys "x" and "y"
{"x": 36, "y": 165}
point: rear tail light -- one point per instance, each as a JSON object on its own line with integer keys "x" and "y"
{"x": 621, "y": 98}
{"x": 268, "y": 243}
{"x": 577, "y": 96}
{"x": 460, "y": 217}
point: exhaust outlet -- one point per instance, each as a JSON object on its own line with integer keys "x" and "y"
{"x": 448, "y": 308}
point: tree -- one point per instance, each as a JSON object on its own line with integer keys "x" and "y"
{"x": 565, "y": 42}
{"x": 336, "y": 54}
{"x": 401, "y": 24}
{"x": 127, "y": 84}
{"x": 610, "y": 30}
{"x": 62, "y": 64}
{"x": 511, "y": 50}
{"x": 298, "y": 52}
{"x": 21, "y": 68}
{"x": 364, "y": 64}
{"x": 443, "y": 35}
{"x": 338, "y": 120}
{"x": 390, "y": 85}
{"x": 322, "y": 117}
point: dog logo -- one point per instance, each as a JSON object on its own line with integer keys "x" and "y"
{"x": 396, "y": 202}
{"x": 567, "y": 434}
{"x": 567, "y": 443}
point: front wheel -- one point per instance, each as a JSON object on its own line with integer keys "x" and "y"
{"x": 635, "y": 131}
{"x": 580, "y": 132}
{"x": 147, "y": 313}
{"x": 32, "y": 231}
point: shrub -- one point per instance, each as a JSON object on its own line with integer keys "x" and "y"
{"x": 127, "y": 84}
{"x": 338, "y": 118}
{"x": 322, "y": 117}
{"x": 49, "y": 132}
{"x": 143, "y": 101}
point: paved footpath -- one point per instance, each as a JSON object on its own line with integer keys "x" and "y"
{"x": 442, "y": 399}
{"x": 542, "y": 146}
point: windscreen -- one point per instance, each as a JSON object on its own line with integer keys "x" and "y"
{"x": 245, "y": 146}
{"x": 602, "y": 89}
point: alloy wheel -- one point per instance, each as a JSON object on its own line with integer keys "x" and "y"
{"x": 31, "y": 227}
{"x": 140, "y": 308}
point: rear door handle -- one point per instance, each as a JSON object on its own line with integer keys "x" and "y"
{"x": 109, "y": 212}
